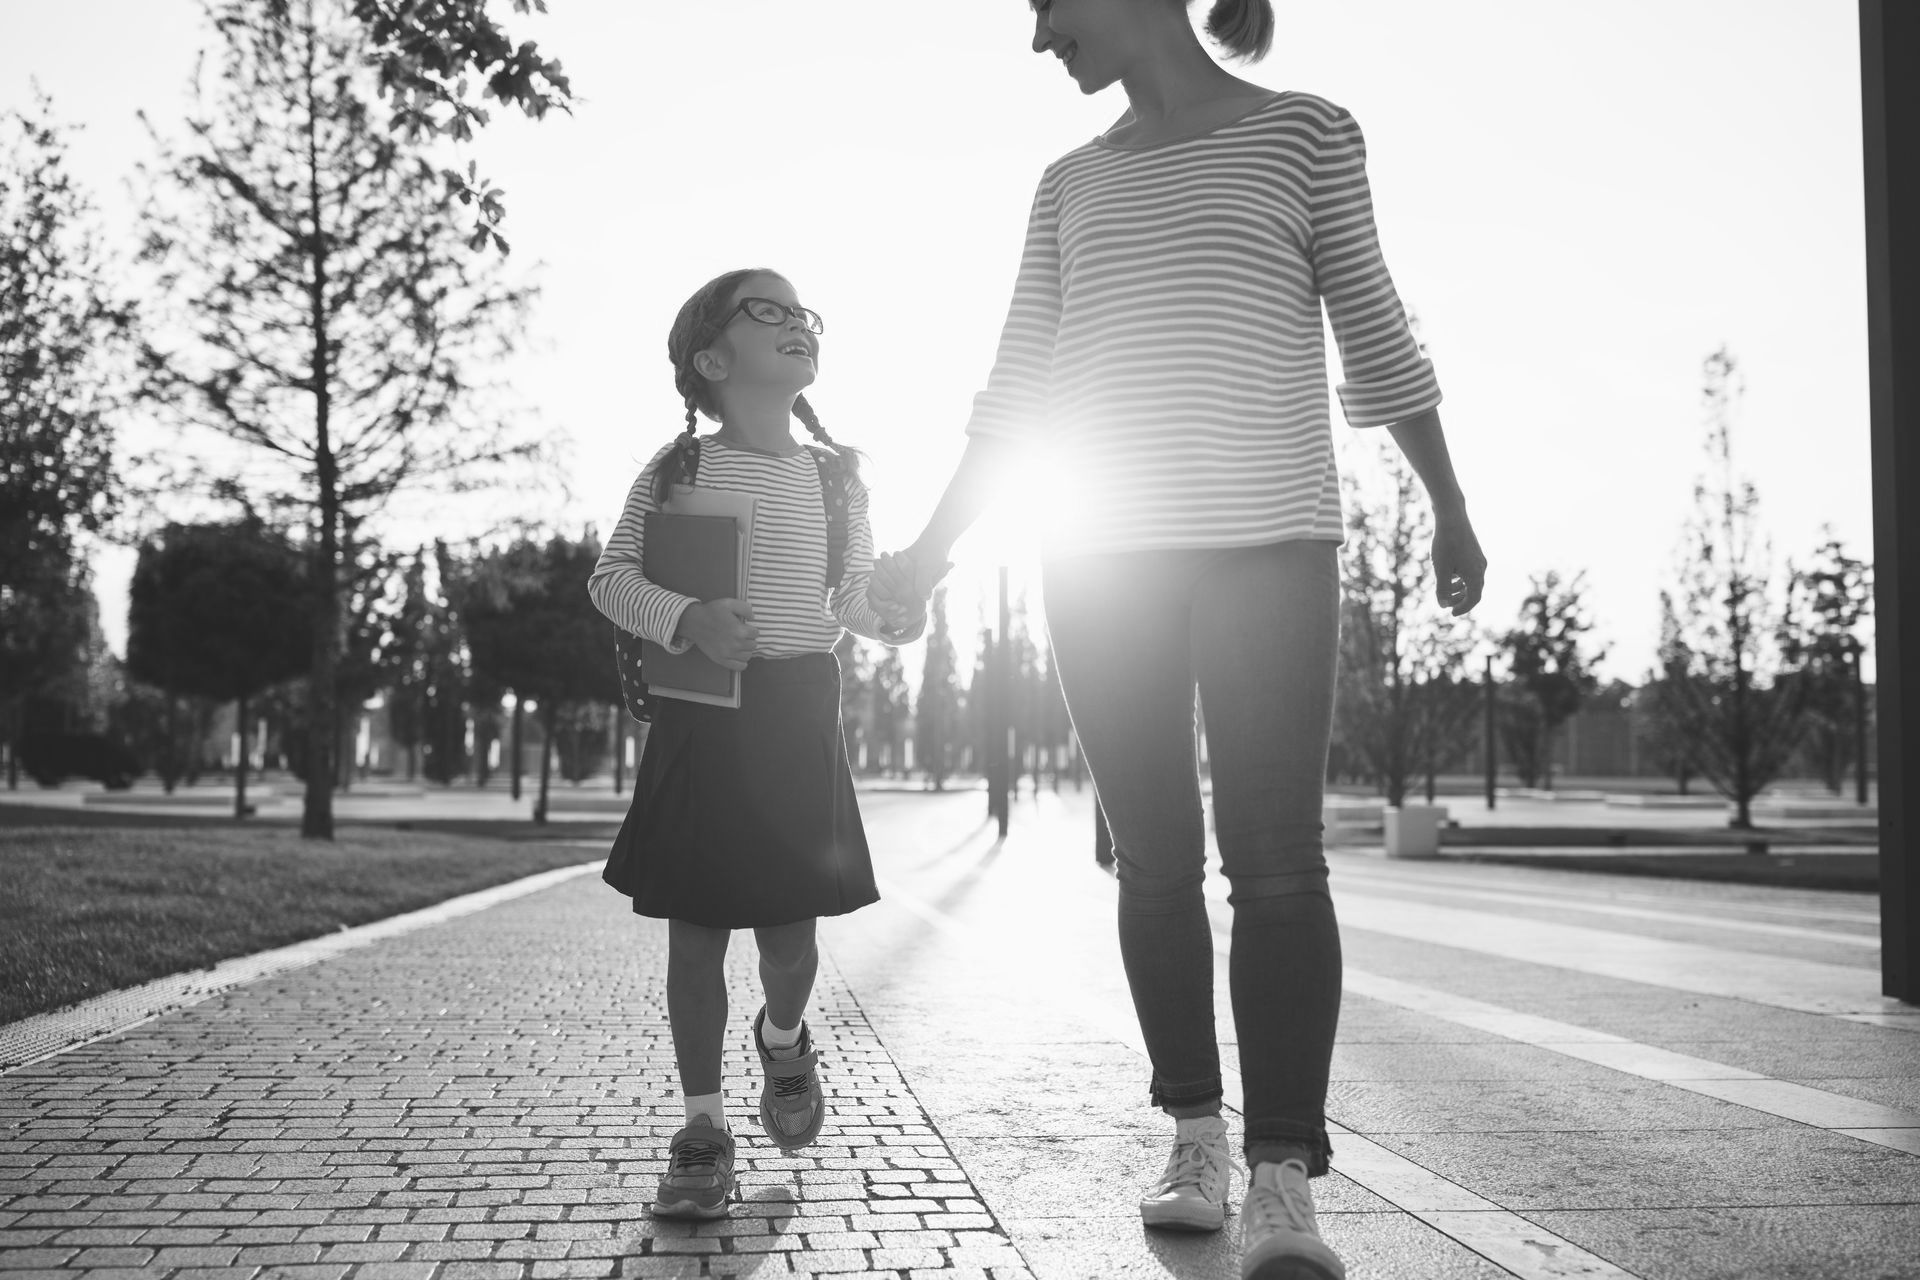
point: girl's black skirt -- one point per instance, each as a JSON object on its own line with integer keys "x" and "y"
{"x": 746, "y": 817}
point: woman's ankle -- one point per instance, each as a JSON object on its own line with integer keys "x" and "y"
{"x": 1278, "y": 1151}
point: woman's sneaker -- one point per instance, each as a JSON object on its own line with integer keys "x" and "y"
{"x": 792, "y": 1105}
{"x": 1279, "y": 1239}
{"x": 699, "y": 1177}
{"x": 1192, "y": 1194}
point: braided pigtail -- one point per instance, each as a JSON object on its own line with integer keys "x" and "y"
{"x": 848, "y": 457}
{"x": 694, "y": 330}
{"x": 679, "y": 464}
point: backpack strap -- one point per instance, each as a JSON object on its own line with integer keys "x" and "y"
{"x": 685, "y": 462}
{"x": 836, "y": 497}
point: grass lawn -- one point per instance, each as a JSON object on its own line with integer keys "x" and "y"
{"x": 88, "y": 909}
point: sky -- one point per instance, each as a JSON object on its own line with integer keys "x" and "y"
{"x": 1580, "y": 202}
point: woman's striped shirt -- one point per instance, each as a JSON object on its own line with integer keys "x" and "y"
{"x": 1165, "y": 338}
{"x": 786, "y": 578}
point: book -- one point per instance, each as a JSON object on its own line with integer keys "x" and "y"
{"x": 698, "y": 556}
{"x": 692, "y": 500}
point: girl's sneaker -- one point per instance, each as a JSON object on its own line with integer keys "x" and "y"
{"x": 1192, "y": 1194}
{"x": 792, "y": 1106}
{"x": 699, "y": 1177}
{"x": 1279, "y": 1239}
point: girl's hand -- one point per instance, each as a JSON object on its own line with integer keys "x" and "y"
{"x": 897, "y": 619}
{"x": 1459, "y": 566}
{"x": 721, "y": 629}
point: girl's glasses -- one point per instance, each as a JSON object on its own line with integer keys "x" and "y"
{"x": 767, "y": 311}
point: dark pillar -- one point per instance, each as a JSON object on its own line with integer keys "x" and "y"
{"x": 1492, "y": 750}
{"x": 1890, "y": 115}
{"x": 619, "y": 748}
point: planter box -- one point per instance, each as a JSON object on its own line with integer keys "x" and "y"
{"x": 1413, "y": 830}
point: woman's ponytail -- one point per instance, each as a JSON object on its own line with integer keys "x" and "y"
{"x": 1244, "y": 28}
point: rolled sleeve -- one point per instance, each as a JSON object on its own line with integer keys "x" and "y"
{"x": 851, "y": 608}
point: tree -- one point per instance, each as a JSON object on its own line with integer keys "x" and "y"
{"x": 1828, "y": 604}
{"x": 59, "y": 329}
{"x": 1403, "y": 699}
{"x": 1719, "y": 628}
{"x": 407, "y": 663}
{"x": 333, "y": 320}
{"x": 424, "y": 51}
{"x": 532, "y": 629}
{"x": 219, "y": 611}
{"x": 1552, "y": 664}
{"x": 888, "y": 689}
{"x": 856, "y": 695}
{"x": 936, "y": 720}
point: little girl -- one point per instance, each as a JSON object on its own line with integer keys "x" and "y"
{"x": 746, "y": 818}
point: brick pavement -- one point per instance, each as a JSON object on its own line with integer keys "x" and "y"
{"x": 488, "y": 1098}
{"x": 1538, "y": 1075}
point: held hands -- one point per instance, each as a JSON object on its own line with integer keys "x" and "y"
{"x": 1459, "y": 566}
{"x": 905, "y": 578}
{"x": 899, "y": 588}
{"x": 721, "y": 629}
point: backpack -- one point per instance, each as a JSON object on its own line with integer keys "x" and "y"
{"x": 834, "y": 496}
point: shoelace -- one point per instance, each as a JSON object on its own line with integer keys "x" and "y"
{"x": 790, "y": 1086}
{"x": 1288, "y": 1207}
{"x": 1193, "y": 1162}
{"x": 696, "y": 1157}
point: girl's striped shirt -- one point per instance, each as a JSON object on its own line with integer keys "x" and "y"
{"x": 1165, "y": 338}
{"x": 786, "y": 578}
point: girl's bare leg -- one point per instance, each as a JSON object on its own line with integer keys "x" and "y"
{"x": 697, "y": 1002}
{"x": 789, "y": 959}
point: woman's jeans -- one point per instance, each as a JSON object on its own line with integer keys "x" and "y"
{"x": 1257, "y": 630}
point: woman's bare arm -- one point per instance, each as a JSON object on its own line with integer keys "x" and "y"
{"x": 1459, "y": 566}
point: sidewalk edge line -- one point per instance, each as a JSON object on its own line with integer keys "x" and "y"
{"x": 1487, "y": 1229}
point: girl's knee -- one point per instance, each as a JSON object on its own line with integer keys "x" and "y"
{"x": 787, "y": 946}
{"x": 696, "y": 944}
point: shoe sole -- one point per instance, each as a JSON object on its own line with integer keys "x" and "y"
{"x": 1294, "y": 1268}
{"x": 1182, "y": 1217}
{"x": 690, "y": 1209}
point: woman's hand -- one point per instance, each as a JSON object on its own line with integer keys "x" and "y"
{"x": 905, "y": 578}
{"x": 1459, "y": 566}
{"x": 721, "y": 629}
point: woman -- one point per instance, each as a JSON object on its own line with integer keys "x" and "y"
{"x": 1165, "y": 339}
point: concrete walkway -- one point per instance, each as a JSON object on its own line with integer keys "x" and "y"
{"x": 1540, "y": 1074}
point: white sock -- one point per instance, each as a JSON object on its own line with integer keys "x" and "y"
{"x": 1187, "y": 1130}
{"x": 1268, "y": 1174}
{"x": 711, "y": 1105}
{"x": 780, "y": 1041}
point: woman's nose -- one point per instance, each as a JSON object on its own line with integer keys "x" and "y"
{"x": 1042, "y": 32}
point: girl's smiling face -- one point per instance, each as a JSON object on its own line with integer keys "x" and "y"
{"x": 781, "y": 358}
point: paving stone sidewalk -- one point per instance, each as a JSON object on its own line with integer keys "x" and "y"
{"x": 486, "y": 1099}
